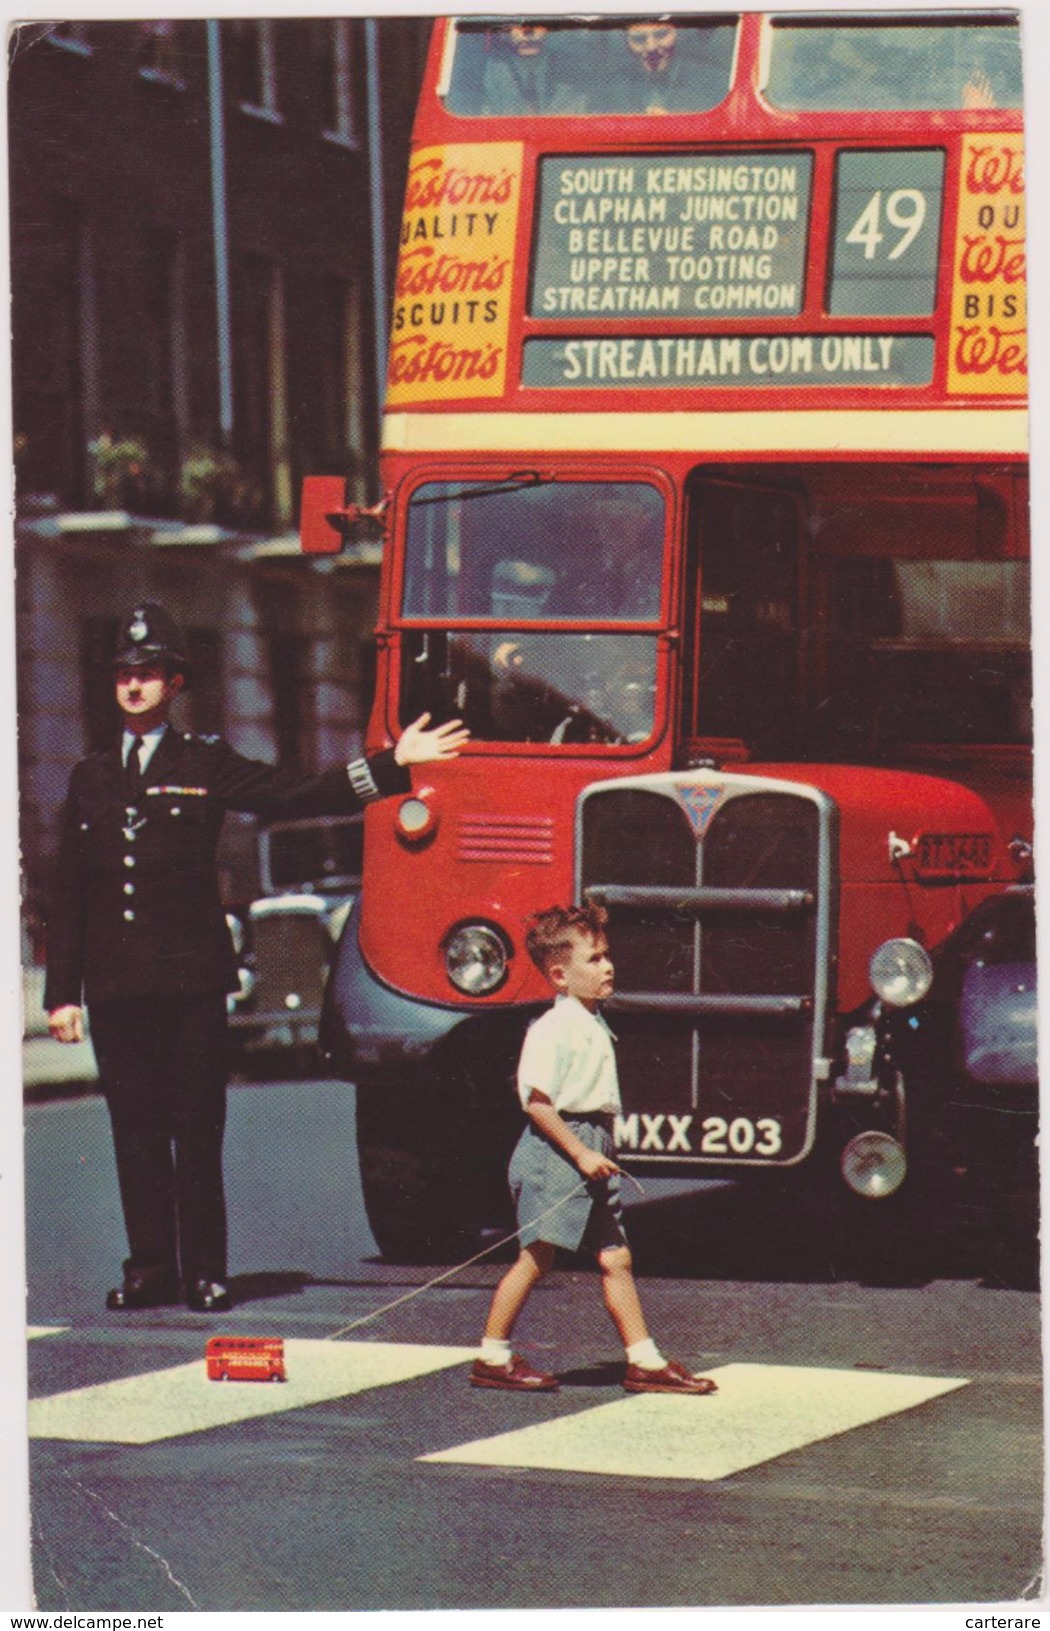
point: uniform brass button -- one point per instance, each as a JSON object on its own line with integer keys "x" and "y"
{"x": 129, "y": 889}
{"x": 131, "y": 810}
{"x": 129, "y": 860}
{"x": 129, "y": 917}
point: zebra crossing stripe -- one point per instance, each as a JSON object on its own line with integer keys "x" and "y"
{"x": 168, "y": 1403}
{"x": 759, "y": 1412}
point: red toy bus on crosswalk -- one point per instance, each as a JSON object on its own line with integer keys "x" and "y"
{"x": 245, "y": 1359}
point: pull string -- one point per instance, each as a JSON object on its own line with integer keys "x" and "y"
{"x": 448, "y": 1274}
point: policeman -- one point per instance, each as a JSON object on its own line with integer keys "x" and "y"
{"x": 137, "y": 930}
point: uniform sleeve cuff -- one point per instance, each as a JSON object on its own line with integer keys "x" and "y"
{"x": 378, "y": 777}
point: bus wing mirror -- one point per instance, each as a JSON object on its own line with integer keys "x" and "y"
{"x": 323, "y": 517}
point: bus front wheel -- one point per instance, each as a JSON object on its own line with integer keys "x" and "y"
{"x": 427, "y": 1176}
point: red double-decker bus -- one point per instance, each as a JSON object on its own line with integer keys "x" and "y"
{"x": 706, "y": 510}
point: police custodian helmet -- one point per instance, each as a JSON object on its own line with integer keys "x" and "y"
{"x": 149, "y": 634}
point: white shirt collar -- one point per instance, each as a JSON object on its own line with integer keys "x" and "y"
{"x": 150, "y": 741}
{"x": 590, "y": 1013}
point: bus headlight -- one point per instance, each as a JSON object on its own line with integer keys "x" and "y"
{"x": 901, "y": 972}
{"x": 873, "y": 1165}
{"x": 476, "y": 958}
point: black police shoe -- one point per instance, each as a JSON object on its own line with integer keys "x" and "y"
{"x": 143, "y": 1291}
{"x": 208, "y": 1297}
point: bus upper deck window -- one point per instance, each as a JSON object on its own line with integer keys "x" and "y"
{"x": 524, "y": 67}
{"x": 849, "y": 66}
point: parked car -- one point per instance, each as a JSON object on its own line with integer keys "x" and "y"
{"x": 963, "y": 1059}
{"x": 310, "y": 872}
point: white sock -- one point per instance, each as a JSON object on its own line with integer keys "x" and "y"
{"x": 494, "y": 1351}
{"x": 646, "y": 1354}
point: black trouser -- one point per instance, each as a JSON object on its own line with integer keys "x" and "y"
{"x": 162, "y": 1065}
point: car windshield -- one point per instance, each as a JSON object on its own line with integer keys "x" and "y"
{"x": 507, "y": 67}
{"x": 874, "y": 66}
{"x": 320, "y": 854}
{"x": 522, "y": 554}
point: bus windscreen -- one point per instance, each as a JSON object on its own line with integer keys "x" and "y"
{"x": 514, "y": 67}
{"x": 566, "y": 550}
{"x": 522, "y": 556}
{"x": 844, "y": 65}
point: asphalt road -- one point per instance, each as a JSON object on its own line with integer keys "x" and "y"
{"x": 874, "y": 1499}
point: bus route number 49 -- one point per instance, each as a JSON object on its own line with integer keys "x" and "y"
{"x": 905, "y": 211}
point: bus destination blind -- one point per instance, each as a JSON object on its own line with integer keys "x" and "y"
{"x": 582, "y": 362}
{"x": 698, "y": 235}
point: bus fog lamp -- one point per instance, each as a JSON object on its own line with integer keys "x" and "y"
{"x": 475, "y": 959}
{"x": 873, "y": 1165}
{"x": 901, "y": 972}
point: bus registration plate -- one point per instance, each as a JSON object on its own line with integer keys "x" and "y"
{"x": 954, "y": 855}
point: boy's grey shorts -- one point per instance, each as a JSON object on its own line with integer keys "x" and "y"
{"x": 542, "y": 1181}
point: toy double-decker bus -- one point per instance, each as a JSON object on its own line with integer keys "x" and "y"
{"x": 245, "y": 1359}
{"x": 706, "y": 510}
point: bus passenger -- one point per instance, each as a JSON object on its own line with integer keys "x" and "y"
{"x": 563, "y": 1173}
{"x": 656, "y": 76}
{"x": 520, "y": 77}
{"x": 977, "y": 92}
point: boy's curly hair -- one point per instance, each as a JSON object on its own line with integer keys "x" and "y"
{"x": 550, "y": 934}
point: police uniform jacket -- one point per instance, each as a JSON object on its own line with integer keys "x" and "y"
{"x": 136, "y": 909}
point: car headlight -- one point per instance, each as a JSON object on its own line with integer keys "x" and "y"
{"x": 476, "y": 958}
{"x": 901, "y": 972}
{"x": 874, "y": 1165}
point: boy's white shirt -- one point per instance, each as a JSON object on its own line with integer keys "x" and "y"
{"x": 568, "y": 1055}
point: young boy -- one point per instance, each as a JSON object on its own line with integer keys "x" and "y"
{"x": 563, "y": 1176}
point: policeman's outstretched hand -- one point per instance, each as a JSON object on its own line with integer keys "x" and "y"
{"x": 66, "y": 1024}
{"x": 418, "y": 746}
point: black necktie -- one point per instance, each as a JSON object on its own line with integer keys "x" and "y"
{"x": 134, "y": 768}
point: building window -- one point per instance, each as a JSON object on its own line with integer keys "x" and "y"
{"x": 54, "y": 350}
{"x": 261, "y": 382}
{"x": 329, "y": 357}
{"x": 253, "y": 67}
{"x": 289, "y": 668}
{"x": 204, "y": 699}
{"x": 292, "y": 688}
{"x": 158, "y": 53}
{"x": 337, "y": 68}
{"x": 164, "y": 354}
{"x": 98, "y": 641}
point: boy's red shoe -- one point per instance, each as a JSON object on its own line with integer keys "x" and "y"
{"x": 670, "y": 1378}
{"x": 516, "y": 1376}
